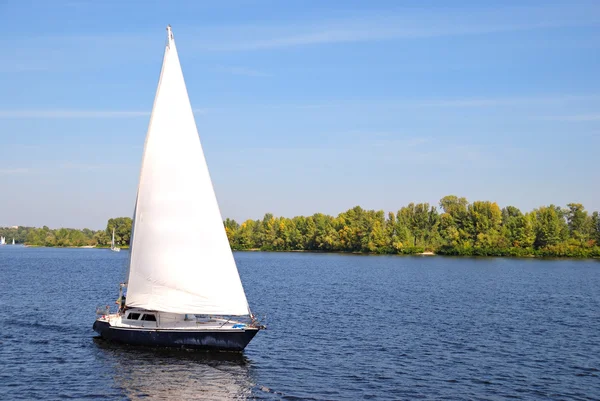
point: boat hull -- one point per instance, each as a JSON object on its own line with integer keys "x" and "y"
{"x": 210, "y": 340}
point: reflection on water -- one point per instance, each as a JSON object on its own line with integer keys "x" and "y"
{"x": 141, "y": 372}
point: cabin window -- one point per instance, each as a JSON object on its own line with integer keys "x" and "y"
{"x": 149, "y": 318}
{"x": 133, "y": 316}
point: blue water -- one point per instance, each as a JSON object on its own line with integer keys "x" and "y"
{"x": 340, "y": 327}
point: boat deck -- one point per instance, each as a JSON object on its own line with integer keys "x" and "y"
{"x": 141, "y": 319}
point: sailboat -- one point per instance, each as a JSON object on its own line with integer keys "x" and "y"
{"x": 13, "y": 241}
{"x": 112, "y": 243}
{"x": 2, "y": 241}
{"x": 183, "y": 288}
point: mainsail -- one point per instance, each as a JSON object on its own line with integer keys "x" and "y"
{"x": 180, "y": 259}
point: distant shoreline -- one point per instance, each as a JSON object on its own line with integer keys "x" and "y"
{"x": 75, "y": 247}
{"x": 426, "y": 253}
{"x": 459, "y": 228}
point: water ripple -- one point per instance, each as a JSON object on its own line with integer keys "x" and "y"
{"x": 340, "y": 327}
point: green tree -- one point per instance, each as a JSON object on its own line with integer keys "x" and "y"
{"x": 404, "y": 227}
{"x": 449, "y": 230}
{"x": 579, "y": 222}
{"x": 122, "y": 226}
{"x": 326, "y": 236}
{"x": 353, "y": 229}
{"x": 100, "y": 238}
{"x": 244, "y": 237}
{"x": 548, "y": 227}
{"x": 231, "y": 227}
{"x": 486, "y": 218}
{"x": 375, "y": 241}
{"x": 459, "y": 228}
{"x": 390, "y": 231}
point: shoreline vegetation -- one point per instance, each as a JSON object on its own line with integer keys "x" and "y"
{"x": 71, "y": 237}
{"x": 457, "y": 228}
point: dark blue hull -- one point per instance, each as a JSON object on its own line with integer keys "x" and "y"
{"x": 217, "y": 340}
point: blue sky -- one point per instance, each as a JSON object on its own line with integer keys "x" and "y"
{"x": 302, "y": 107}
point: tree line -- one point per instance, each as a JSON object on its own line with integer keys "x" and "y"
{"x": 67, "y": 237}
{"x": 480, "y": 228}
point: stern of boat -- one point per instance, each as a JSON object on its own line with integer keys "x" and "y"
{"x": 103, "y": 322}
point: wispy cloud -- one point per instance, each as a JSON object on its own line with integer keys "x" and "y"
{"x": 406, "y": 152}
{"x": 394, "y": 149}
{"x": 70, "y": 114}
{"x": 78, "y": 114}
{"x": 62, "y": 166}
{"x": 408, "y": 24}
{"x": 81, "y": 52}
{"x": 474, "y": 102}
{"x": 90, "y": 167}
{"x": 248, "y": 72}
{"x": 459, "y": 102}
{"x": 27, "y": 67}
{"x": 506, "y": 101}
{"x": 14, "y": 171}
{"x": 574, "y": 118}
{"x": 388, "y": 139}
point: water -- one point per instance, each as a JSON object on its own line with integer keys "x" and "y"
{"x": 340, "y": 327}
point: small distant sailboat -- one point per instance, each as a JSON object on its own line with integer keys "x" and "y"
{"x": 2, "y": 241}
{"x": 112, "y": 243}
{"x": 13, "y": 241}
{"x": 183, "y": 289}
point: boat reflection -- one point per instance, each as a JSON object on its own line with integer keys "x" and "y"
{"x": 163, "y": 374}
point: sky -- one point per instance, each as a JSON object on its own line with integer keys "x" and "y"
{"x": 302, "y": 106}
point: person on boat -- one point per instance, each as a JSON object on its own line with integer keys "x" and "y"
{"x": 121, "y": 301}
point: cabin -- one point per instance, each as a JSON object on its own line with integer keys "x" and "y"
{"x": 138, "y": 318}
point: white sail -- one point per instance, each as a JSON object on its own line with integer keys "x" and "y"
{"x": 181, "y": 261}
{"x": 112, "y": 242}
{"x": 13, "y": 241}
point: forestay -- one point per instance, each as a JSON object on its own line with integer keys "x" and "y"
{"x": 181, "y": 261}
